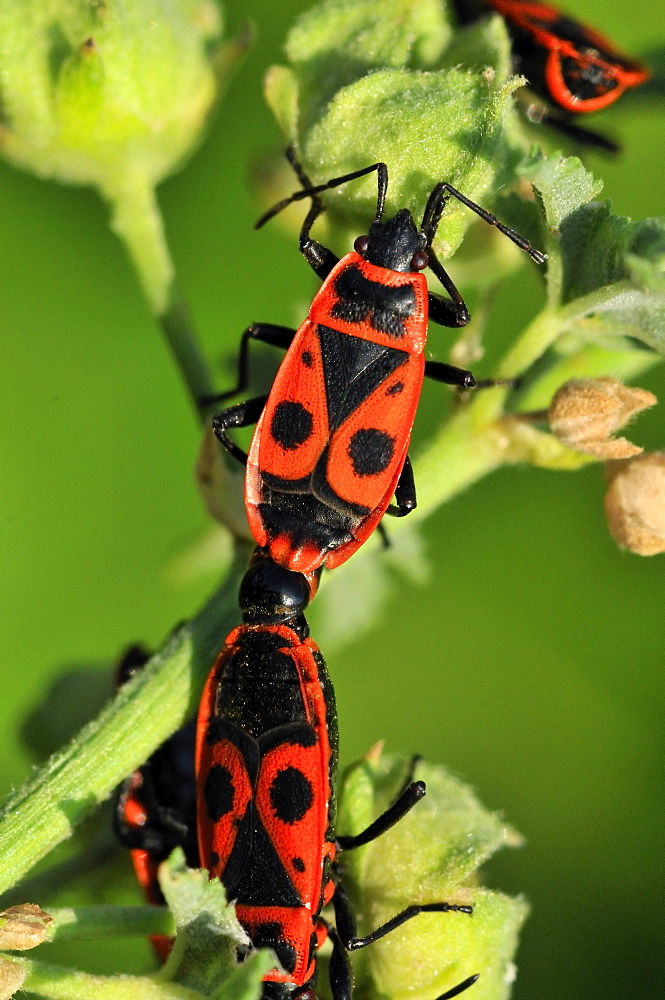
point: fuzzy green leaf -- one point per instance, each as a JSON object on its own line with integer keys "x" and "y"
{"x": 563, "y": 184}
{"x": 367, "y": 83}
{"x": 449, "y": 125}
{"x": 337, "y": 43}
{"x": 605, "y": 272}
{"x": 208, "y": 933}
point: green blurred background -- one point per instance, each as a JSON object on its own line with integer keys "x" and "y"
{"x": 531, "y": 662}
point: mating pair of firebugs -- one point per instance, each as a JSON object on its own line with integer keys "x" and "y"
{"x": 329, "y": 453}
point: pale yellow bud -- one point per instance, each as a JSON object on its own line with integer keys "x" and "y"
{"x": 635, "y": 503}
{"x": 12, "y": 977}
{"x": 24, "y": 926}
{"x": 584, "y": 414}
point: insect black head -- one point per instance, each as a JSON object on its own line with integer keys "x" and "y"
{"x": 271, "y": 594}
{"x": 394, "y": 244}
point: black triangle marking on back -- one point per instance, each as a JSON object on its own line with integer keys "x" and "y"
{"x": 241, "y": 853}
{"x": 265, "y": 882}
{"x": 353, "y": 368}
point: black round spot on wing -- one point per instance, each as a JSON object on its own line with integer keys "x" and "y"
{"x": 395, "y": 389}
{"x": 298, "y": 864}
{"x": 370, "y": 451}
{"x": 218, "y": 792}
{"x": 213, "y": 859}
{"x": 291, "y": 795}
{"x": 291, "y": 425}
{"x": 307, "y": 359}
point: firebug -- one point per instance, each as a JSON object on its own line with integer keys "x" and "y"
{"x": 330, "y": 449}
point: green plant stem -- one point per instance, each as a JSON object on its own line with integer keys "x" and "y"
{"x": 57, "y": 983}
{"x": 466, "y": 448}
{"x": 81, "y": 923}
{"x": 531, "y": 344}
{"x": 194, "y": 369}
{"x": 138, "y": 222}
{"x": 145, "y": 712}
{"x": 551, "y": 323}
{"x": 136, "y": 219}
{"x": 65, "y": 874}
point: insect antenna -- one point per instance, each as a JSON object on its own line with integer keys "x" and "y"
{"x": 437, "y": 202}
{"x": 311, "y": 191}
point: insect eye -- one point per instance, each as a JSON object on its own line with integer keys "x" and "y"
{"x": 361, "y": 244}
{"x": 420, "y": 260}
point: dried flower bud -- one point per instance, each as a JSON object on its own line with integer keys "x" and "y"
{"x": 584, "y": 414}
{"x": 24, "y": 926}
{"x": 12, "y": 977}
{"x": 635, "y": 503}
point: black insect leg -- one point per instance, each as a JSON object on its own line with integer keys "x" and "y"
{"x": 339, "y": 970}
{"x": 576, "y": 133}
{"x": 267, "y": 333}
{"x": 346, "y": 921}
{"x": 449, "y": 374}
{"x": 463, "y": 379}
{"x": 405, "y": 493}
{"x": 434, "y": 209}
{"x": 319, "y": 257}
{"x": 384, "y": 536}
{"x": 412, "y": 793}
{"x": 346, "y": 936}
{"x": 450, "y": 312}
{"x": 456, "y": 990}
{"x": 241, "y": 415}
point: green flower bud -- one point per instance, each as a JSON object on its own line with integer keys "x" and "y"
{"x": 109, "y": 94}
{"x": 384, "y": 82}
{"x": 431, "y": 855}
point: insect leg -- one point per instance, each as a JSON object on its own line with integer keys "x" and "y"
{"x": 450, "y": 312}
{"x": 267, "y": 333}
{"x": 463, "y": 379}
{"x": 241, "y": 415}
{"x": 157, "y": 838}
{"x": 319, "y": 257}
{"x": 437, "y": 202}
{"x": 346, "y": 921}
{"x": 405, "y": 493}
{"x": 576, "y": 133}
{"x": 456, "y": 990}
{"x": 339, "y": 970}
{"x": 449, "y": 374}
{"x": 412, "y": 793}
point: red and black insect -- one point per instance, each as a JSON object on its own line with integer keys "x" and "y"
{"x": 568, "y": 63}
{"x": 266, "y": 758}
{"x": 330, "y": 448}
{"x": 156, "y": 806}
